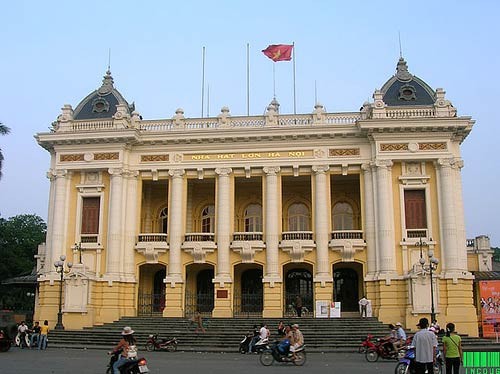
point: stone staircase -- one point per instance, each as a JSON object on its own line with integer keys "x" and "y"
{"x": 224, "y": 335}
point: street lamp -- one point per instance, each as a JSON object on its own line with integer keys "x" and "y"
{"x": 59, "y": 265}
{"x": 78, "y": 248}
{"x": 430, "y": 267}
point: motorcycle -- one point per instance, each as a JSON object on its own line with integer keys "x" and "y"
{"x": 22, "y": 340}
{"x": 245, "y": 343}
{"x": 406, "y": 364}
{"x": 132, "y": 366}
{"x": 5, "y": 342}
{"x": 155, "y": 344}
{"x": 258, "y": 347}
{"x": 383, "y": 349}
{"x": 366, "y": 344}
{"x": 275, "y": 353}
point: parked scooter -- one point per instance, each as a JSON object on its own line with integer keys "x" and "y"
{"x": 155, "y": 344}
{"x": 258, "y": 347}
{"x": 245, "y": 343}
{"x": 22, "y": 340}
{"x": 277, "y": 353}
{"x": 132, "y": 366}
{"x": 406, "y": 364}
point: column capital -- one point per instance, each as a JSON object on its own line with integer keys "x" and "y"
{"x": 116, "y": 172}
{"x": 458, "y": 163}
{"x": 176, "y": 173}
{"x": 383, "y": 164}
{"x": 271, "y": 170}
{"x": 53, "y": 174}
{"x": 320, "y": 169}
{"x": 367, "y": 167}
{"x": 131, "y": 174}
{"x": 223, "y": 172}
{"x": 445, "y": 162}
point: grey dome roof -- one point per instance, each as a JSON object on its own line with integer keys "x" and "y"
{"x": 407, "y": 89}
{"x": 102, "y": 102}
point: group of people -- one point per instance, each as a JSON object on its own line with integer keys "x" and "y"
{"x": 426, "y": 346}
{"x": 289, "y": 335}
{"x": 38, "y": 337}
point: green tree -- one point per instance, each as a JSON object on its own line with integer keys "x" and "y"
{"x": 19, "y": 239}
{"x": 4, "y": 130}
{"x": 496, "y": 254}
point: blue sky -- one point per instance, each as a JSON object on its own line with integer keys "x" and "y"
{"x": 56, "y": 52}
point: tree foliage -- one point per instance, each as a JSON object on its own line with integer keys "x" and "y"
{"x": 19, "y": 239}
{"x": 4, "y": 130}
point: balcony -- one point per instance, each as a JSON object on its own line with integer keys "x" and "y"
{"x": 347, "y": 243}
{"x": 416, "y": 233}
{"x": 89, "y": 238}
{"x": 247, "y": 244}
{"x": 199, "y": 237}
{"x": 347, "y": 234}
{"x": 297, "y": 235}
{"x": 297, "y": 243}
{"x": 198, "y": 245}
{"x": 151, "y": 246}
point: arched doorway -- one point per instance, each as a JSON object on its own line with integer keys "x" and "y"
{"x": 199, "y": 289}
{"x": 248, "y": 294}
{"x": 298, "y": 284}
{"x": 346, "y": 285}
{"x": 151, "y": 296}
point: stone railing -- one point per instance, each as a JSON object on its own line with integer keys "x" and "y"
{"x": 247, "y": 236}
{"x": 416, "y": 233}
{"x": 199, "y": 237}
{"x": 297, "y": 235}
{"x": 152, "y": 237}
{"x": 410, "y": 113}
{"x": 347, "y": 234}
{"x": 89, "y": 238}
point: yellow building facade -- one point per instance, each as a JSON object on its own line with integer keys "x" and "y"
{"x": 237, "y": 216}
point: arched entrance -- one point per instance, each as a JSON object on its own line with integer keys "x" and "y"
{"x": 248, "y": 293}
{"x": 298, "y": 284}
{"x": 347, "y": 285}
{"x": 199, "y": 289}
{"x": 151, "y": 296}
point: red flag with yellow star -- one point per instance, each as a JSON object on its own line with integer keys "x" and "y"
{"x": 279, "y": 52}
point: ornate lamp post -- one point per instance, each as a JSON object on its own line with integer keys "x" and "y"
{"x": 59, "y": 265}
{"x": 430, "y": 267}
{"x": 78, "y": 248}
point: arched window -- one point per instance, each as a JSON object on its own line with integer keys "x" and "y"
{"x": 253, "y": 218}
{"x": 208, "y": 219}
{"x": 298, "y": 217}
{"x": 343, "y": 217}
{"x": 164, "y": 220}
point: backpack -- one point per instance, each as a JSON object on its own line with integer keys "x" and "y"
{"x": 132, "y": 351}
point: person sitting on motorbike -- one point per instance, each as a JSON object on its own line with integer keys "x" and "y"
{"x": 297, "y": 340}
{"x": 389, "y": 340}
{"x": 126, "y": 344}
{"x": 35, "y": 335}
{"x": 400, "y": 336}
{"x": 255, "y": 338}
{"x": 22, "y": 330}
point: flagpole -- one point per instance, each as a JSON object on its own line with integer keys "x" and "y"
{"x": 294, "y": 96}
{"x": 208, "y": 100}
{"x": 274, "y": 80}
{"x": 248, "y": 79}
{"x": 202, "y": 80}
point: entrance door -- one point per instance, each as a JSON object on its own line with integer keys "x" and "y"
{"x": 298, "y": 284}
{"x": 205, "y": 291}
{"x": 151, "y": 296}
{"x": 250, "y": 301}
{"x": 346, "y": 289}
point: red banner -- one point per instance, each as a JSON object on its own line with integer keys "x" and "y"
{"x": 489, "y": 292}
{"x": 279, "y": 52}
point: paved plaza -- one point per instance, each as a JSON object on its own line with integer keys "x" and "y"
{"x": 59, "y": 361}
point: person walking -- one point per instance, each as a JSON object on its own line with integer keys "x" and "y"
{"x": 363, "y": 303}
{"x": 452, "y": 349}
{"x": 425, "y": 343}
{"x": 298, "y": 305}
{"x": 44, "y": 333}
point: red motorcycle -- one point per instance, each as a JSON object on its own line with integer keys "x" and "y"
{"x": 155, "y": 344}
{"x": 366, "y": 344}
{"x": 384, "y": 349}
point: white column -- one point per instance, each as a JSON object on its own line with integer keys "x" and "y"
{"x": 59, "y": 222}
{"x": 223, "y": 224}
{"x": 175, "y": 218}
{"x": 460, "y": 216}
{"x": 447, "y": 216}
{"x": 130, "y": 225}
{"x": 385, "y": 219}
{"x": 115, "y": 232}
{"x": 272, "y": 201}
{"x": 369, "y": 222}
{"x": 322, "y": 233}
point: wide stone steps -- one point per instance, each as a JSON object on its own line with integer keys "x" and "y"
{"x": 224, "y": 335}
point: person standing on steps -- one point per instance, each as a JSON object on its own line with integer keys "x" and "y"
{"x": 298, "y": 305}
{"x": 363, "y": 303}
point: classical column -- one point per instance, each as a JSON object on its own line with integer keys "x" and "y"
{"x": 385, "y": 218}
{"x": 369, "y": 221}
{"x": 321, "y": 213}
{"x": 272, "y": 201}
{"x": 460, "y": 216}
{"x": 447, "y": 216}
{"x": 223, "y": 224}
{"x": 130, "y": 225}
{"x": 175, "y": 227}
{"x": 59, "y": 213}
{"x": 115, "y": 232}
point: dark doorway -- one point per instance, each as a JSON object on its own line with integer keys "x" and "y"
{"x": 299, "y": 283}
{"x": 151, "y": 297}
{"x": 250, "y": 301}
{"x": 346, "y": 288}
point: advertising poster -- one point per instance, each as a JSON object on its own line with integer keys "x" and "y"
{"x": 335, "y": 310}
{"x": 489, "y": 292}
{"x": 322, "y": 308}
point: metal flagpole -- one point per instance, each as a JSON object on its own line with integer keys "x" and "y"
{"x": 274, "y": 81}
{"x": 202, "y": 80}
{"x": 248, "y": 79}
{"x": 294, "y": 96}
{"x": 208, "y": 100}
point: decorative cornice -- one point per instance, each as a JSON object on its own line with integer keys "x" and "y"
{"x": 343, "y": 152}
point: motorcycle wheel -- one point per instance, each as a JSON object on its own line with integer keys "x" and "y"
{"x": 266, "y": 358}
{"x": 401, "y": 368}
{"x": 150, "y": 347}
{"x": 301, "y": 358}
{"x": 171, "y": 347}
{"x": 371, "y": 355}
{"x": 362, "y": 349}
{"x": 242, "y": 350}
